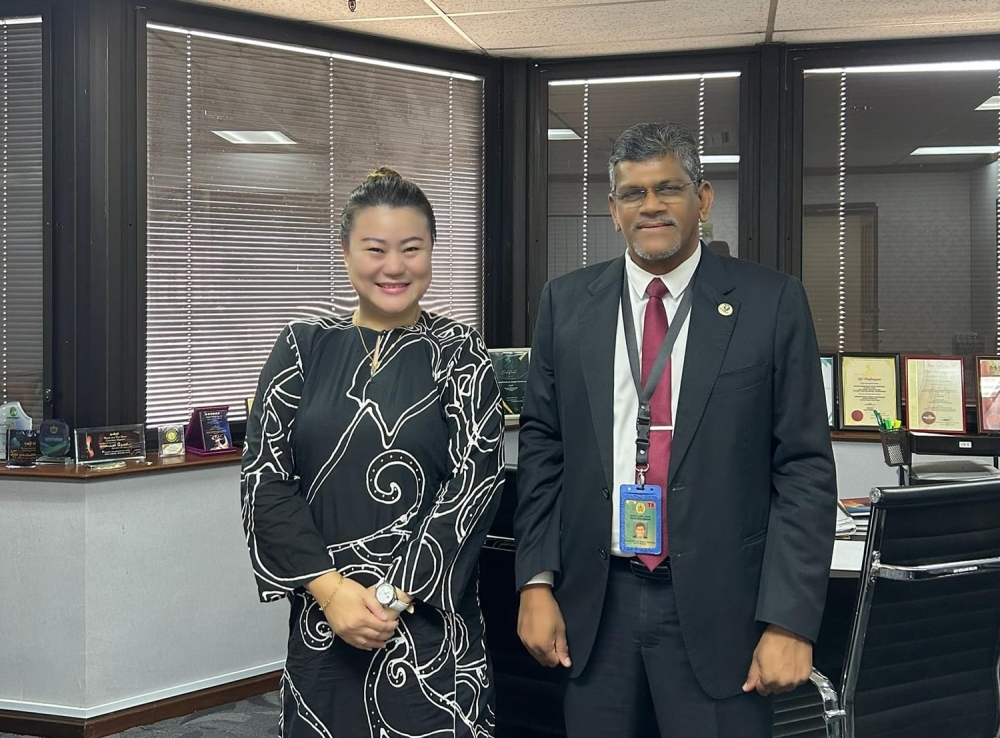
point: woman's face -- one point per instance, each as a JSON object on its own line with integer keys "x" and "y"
{"x": 389, "y": 260}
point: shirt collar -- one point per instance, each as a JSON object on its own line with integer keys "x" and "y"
{"x": 676, "y": 280}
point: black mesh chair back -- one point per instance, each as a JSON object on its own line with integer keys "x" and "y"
{"x": 922, "y": 661}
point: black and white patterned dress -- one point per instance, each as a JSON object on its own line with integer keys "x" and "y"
{"x": 395, "y": 474}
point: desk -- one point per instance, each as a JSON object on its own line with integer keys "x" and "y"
{"x": 127, "y": 587}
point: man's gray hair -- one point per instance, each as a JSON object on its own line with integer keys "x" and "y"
{"x": 646, "y": 141}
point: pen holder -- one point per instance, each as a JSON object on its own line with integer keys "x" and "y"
{"x": 895, "y": 446}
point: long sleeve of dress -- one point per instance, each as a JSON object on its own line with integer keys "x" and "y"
{"x": 286, "y": 548}
{"x": 442, "y": 555}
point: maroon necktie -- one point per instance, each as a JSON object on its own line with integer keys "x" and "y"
{"x": 654, "y": 330}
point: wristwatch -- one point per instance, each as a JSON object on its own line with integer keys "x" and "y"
{"x": 385, "y": 593}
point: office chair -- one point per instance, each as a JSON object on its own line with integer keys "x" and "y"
{"x": 922, "y": 657}
{"x": 811, "y": 711}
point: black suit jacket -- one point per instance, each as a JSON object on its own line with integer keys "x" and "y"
{"x": 752, "y": 483}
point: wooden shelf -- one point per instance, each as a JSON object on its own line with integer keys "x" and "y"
{"x": 152, "y": 463}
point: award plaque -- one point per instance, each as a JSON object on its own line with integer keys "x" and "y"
{"x": 55, "y": 445}
{"x": 208, "y": 431}
{"x": 171, "y": 440}
{"x": 511, "y": 369}
{"x": 22, "y": 448}
{"x": 249, "y": 403}
{"x": 110, "y": 444}
{"x": 935, "y": 393}
{"x": 12, "y": 415}
{"x": 988, "y": 393}
{"x": 866, "y": 384}
{"x": 826, "y": 365}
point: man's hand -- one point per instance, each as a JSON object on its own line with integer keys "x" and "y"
{"x": 541, "y": 627}
{"x": 781, "y": 662}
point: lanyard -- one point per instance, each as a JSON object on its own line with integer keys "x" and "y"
{"x": 642, "y": 422}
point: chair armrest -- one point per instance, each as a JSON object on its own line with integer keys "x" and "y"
{"x": 833, "y": 713}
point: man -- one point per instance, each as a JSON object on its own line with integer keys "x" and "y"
{"x": 725, "y": 611}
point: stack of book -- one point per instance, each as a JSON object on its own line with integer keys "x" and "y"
{"x": 857, "y": 507}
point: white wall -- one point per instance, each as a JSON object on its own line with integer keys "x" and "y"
{"x": 123, "y": 591}
{"x": 924, "y": 254}
{"x": 983, "y": 266}
{"x": 860, "y": 466}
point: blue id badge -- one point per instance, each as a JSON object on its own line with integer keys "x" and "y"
{"x": 639, "y": 519}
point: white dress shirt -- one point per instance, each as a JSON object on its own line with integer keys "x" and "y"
{"x": 626, "y": 399}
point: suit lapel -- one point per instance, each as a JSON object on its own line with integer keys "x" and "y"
{"x": 708, "y": 339}
{"x": 597, "y": 330}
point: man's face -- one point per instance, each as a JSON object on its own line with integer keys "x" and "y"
{"x": 660, "y": 225}
{"x": 640, "y": 530}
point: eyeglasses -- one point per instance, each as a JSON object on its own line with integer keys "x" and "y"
{"x": 664, "y": 192}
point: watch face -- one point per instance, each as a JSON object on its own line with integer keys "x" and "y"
{"x": 385, "y": 593}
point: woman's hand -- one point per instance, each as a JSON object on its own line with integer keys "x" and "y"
{"x": 400, "y": 594}
{"x": 354, "y": 613}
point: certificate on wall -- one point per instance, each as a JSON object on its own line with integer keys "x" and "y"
{"x": 826, "y": 366}
{"x": 935, "y": 394}
{"x": 867, "y": 383}
{"x": 988, "y": 393}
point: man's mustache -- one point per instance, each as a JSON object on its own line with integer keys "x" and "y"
{"x": 656, "y": 222}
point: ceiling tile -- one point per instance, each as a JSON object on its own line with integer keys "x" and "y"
{"x": 433, "y": 31}
{"x": 633, "y": 47}
{"x": 874, "y": 32}
{"x": 492, "y": 6}
{"x": 921, "y": 14}
{"x": 619, "y": 23}
{"x": 327, "y": 10}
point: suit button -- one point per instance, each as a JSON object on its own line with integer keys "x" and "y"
{"x": 603, "y": 553}
{"x": 606, "y": 493}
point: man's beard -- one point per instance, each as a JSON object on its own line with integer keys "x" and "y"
{"x": 646, "y": 256}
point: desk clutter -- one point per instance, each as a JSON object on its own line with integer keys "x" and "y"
{"x": 970, "y": 456}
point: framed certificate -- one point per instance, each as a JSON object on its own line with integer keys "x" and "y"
{"x": 867, "y": 383}
{"x": 827, "y": 365}
{"x": 988, "y": 393}
{"x": 935, "y": 393}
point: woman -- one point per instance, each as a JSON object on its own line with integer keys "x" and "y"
{"x": 371, "y": 473}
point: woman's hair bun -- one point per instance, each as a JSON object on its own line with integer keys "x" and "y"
{"x": 385, "y": 172}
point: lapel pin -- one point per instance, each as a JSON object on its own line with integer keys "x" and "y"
{"x": 725, "y": 309}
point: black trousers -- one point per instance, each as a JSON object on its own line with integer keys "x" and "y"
{"x": 639, "y": 683}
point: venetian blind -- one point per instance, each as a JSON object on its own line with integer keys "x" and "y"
{"x": 243, "y": 237}
{"x": 21, "y": 219}
{"x": 586, "y": 117}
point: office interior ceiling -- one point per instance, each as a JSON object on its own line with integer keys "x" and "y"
{"x": 575, "y": 28}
